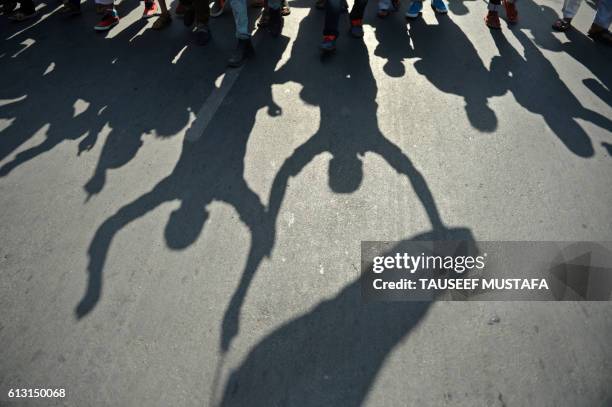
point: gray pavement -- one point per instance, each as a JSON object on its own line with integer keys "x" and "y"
{"x": 175, "y": 234}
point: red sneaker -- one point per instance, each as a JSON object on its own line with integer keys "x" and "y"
{"x": 511, "y": 12}
{"x": 109, "y": 20}
{"x": 492, "y": 20}
{"x": 150, "y": 9}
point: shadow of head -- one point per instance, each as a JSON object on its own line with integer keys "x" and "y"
{"x": 331, "y": 355}
{"x": 345, "y": 173}
{"x": 185, "y": 225}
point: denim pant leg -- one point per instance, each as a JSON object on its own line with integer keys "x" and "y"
{"x": 332, "y": 15}
{"x": 603, "y": 18}
{"x": 570, "y": 8}
{"x": 241, "y": 19}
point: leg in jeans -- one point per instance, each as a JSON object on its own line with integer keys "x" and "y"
{"x": 241, "y": 19}
{"x": 603, "y": 18}
{"x": 570, "y": 8}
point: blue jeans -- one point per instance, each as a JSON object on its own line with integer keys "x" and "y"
{"x": 241, "y": 16}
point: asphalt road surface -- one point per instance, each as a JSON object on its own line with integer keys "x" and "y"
{"x": 174, "y": 233}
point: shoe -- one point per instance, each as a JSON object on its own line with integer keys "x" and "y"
{"x": 202, "y": 34}
{"x": 150, "y": 9}
{"x": 109, "y": 20}
{"x": 179, "y": 11}
{"x": 511, "y": 12}
{"x": 328, "y": 44}
{"x": 189, "y": 16}
{"x": 285, "y": 10}
{"x": 415, "y": 9}
{"x": 69, "y": 10}
{"x": 439, "y": 6}
{"x": 244, "y": 51}
{"x": 275, "y": 26}
{"x": 492, "y": 20}
{"x": 357, "y": 28}
{"x": 217, "y": 8}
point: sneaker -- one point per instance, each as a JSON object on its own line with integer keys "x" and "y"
{"x": 275, "y": 26}
{"x": 150, "y": 9}
{"x": 202, "y": 34}
{"x": 109, "y": 20}
{"x": 217, "y": 8}
{"x": 328, "y": 44}
{"x": 439, "y": 6}
{"x": 511, "y": 12}
{"x": 492, "y": 20}
{"x": 415, "y": 9}
{"x": 244, "y": 51}
{"x": 357, "y": 28}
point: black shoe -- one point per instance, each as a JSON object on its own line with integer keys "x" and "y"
{"x": 189, "y": 16}
{"x": 244, "y": 50}
{"x": 202, "y": 34}
{"x": 275, "y": 25}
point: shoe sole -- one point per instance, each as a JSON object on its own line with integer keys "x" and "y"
{"x": 106, "y": 28}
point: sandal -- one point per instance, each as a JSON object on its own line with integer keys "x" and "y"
{"x": 162, "y": 21}
{"x": 603, "y": 36}
{"x": 19, "y": 16}
{"x": 285, "y": 11}
{"x": 562, "y": 24}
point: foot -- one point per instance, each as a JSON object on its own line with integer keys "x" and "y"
{"x": 439, "y": 6}
{"x": 415, "y": 9}
{"x": 562, "y": 24}
{"x": 275, "y": 26}
{"x": 600, "y": 34}
{"x": 243, "y": 51}
{"x": 202, "y": 34}
{"x": 357, "y": 28}
{"x": 285, "y": 10}
{"x": 328, "y": 44}
{"x": 162, "y": 21}
{"x": 511, "y": 12}
{"x": 108, "y": 21}
{"x": 150, "y": 9}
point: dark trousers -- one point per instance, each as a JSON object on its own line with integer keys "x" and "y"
{"x": 201, "y": 8}
{"x": 332, "y": 14}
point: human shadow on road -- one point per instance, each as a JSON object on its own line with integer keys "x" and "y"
{"x": 71, "y": 84}
{"x": 210, "y": 168}
{"x": 551, "y": 99}
{"x": 345, "y": 90}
